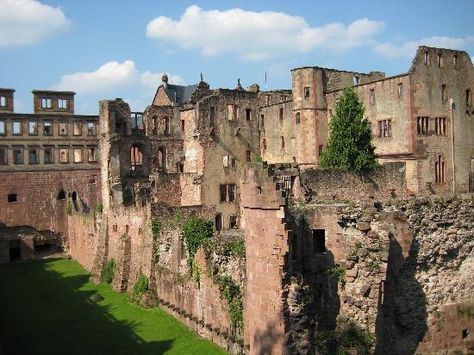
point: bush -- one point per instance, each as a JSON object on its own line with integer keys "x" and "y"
{"x": 140, "y": 286}
{"x": 340, "y": 273}
{"x": 109, "y": 271}
{"x": 195, "y": 232}
{"x": 99, "y": 208}
{"x": 235, "y": 247}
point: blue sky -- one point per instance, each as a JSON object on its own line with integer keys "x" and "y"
{"x": 107, "y": 49}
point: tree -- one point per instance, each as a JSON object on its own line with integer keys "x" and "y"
{"x": 350, "y": 144}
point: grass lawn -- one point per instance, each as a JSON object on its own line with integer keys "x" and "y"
{"x": 45, "y": 308}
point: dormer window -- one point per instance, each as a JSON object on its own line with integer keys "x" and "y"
{"x": 62, "y": 104}
{"x": 46, "y": 103}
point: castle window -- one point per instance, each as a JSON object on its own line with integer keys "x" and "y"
{"x": 248, "y": 114}
{"x": 264, "y": 144}
{"x": 400, "y": 90}
{"x": 248, "y": 156}
{"x": 233, "y": 222}
{"x": 218, "y": 222}
{"x": 3, "y": 101}
{"x": 355, "y": 80}
{"x": 282, "y": 142}
{"x": 48, "y": 157}
{"x": 77, "y": 129}
{"x": 91, "y": 129}
{"x": 154, "y": 124}
{"x": 61, "y": 195}
{"x": 12, "y": 198}
{"x": 161, "y": 158}
{"x": 166, "y": 128}
{"x": 427, "y": 58}
{"x": 17, "y": 156}
{"x": 114, "y": 228}
{"x": 262, "y": 121}
{"x": 78, "y": 155}
{"x": 2, "y": 128}
{"x": 372, "y": 96}
{"x": 62, "y": 104}
{"x": 136, "y": 158}
{"x": 3, "y": 156}
{"x": 232, "y": 112}
{"x": 63, "y": 128}
{"x": 16, "y": 128}
{"x": 32, "y": 128}
{"x": 440, "y": 60}
{"x": 227, "y": 192}
{"x": 385, "y": 128}
{"x": 455, "y": 60}
{"x": 422, "y": 125}
{"x": 440, "y": 170}
{"x": 281, "y": 115}
{"x": 92, "y": 154}
{"x": 319, "y": 240}
{"x": 468, "y": 97}
{"x": 298, "y": 118}
{"x": 47, "y": 128}
{"x": 63, "y": 155}
{"x": 443, "y": 92}
{"x": 182, "y": 125}
{"x": 33, "y": 156}
{"x": 46, "y": 103}
{"x": 440, "y": 126}
{"x": 306, "y": 92}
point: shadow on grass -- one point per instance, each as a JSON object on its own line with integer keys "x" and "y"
{"x": 46, "y": 308}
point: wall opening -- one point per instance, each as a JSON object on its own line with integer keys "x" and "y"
{"x": 12, "y": 197}
{"x": 162, "y": 158}
{"x": 465, "y": 333}
{"x": 61, "y": 195}
{"x": 136, "y": 158}
{"x": 319, "y": 240}
{"x": 14, "y": 249}
{"x": 218, "y": 222}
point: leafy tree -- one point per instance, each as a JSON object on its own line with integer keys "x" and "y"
{"x": 350, "y": 144}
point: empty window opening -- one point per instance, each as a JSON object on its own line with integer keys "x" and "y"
{"x": 440, "y": 126}
{"x": 355, "y": 80}
{"x": 3, "y": 101}
{"x": 443, "y": 92}
{"x": 62, "y": 128}
{"x": 227, "y": 192}
{"x": 3, "y": 156}
{"x": 2, "y": 128}
{"x": 427, "y": 58}
{"x": 298, "y": 118}
{"x": 259, "y": 190}
{"x": 77, "y": 129}
{"x": 468, "y": 97}
{"x": 248, "y": 114}
{"x": 17, "y": 156}
{"x": 48, "y": 155}
{"x": 47, "y": 128}
{"x": 16, "y": 128}
{"x": 465, "y": 333}
{"x": 281, "y": 115}
{"x": 440, "y": 60}
{"x": 180, "y": 167}
{"x": 233, "y": 222}
{"x": 372, "y": 96}
{"x": 78, "y": 156}
{"x": 92, "y": 154}
{"x": 440, "y": 170}
{"x": 137, "y": 121}
{"x": 182, "y": 125}
{"x": 162, "y": 158}
{"x": 91, "y": 129}
{"x": 264, "y": 144}
{"x": 218, "y": 222}
{"x": 400, "y": 90}
{"x": 140, "y": 231}
{"x": 306, "y": 92}
{"x": 127, "y": 228}
{"x": 46, "y": 103}
{"x": 154, "y": 125}
{"x": 12, "y": 198}
{"x": 166, "y": 125}
{"x": 422, "y": 125}
{"x": 282, "y": 142}
{"x": 262, "y": 121}
{"x": 62, "y": 104}
{"x": 232, "y": 112}
{"x": 212, "y": 116}
{"x": 32, "y": 128}
{"x": 61, "y": 195}
{"x": 114, "y": 228}
{"x": 319, "y": 240}
{"x": 63, "y": 155}
{"x": 455, "y": 60}
{"x": 136, "y": 158}
{"x": 385, "y": 128}
{"x": 33, "y": 156}
{"x": 248, "y": 156}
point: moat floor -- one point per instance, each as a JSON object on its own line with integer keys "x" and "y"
{"x": 45, "y": 308}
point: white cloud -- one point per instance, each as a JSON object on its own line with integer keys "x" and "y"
{"x": 408, "y": 49}
{"x": 113, "y": 75}
{"x": 26, "y": 22}
{"x": 257, "y": 35}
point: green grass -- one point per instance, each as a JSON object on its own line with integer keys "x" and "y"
{"x": 45, "y": 308}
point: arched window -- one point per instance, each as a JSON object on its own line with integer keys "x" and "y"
{"x": 162, "y": 158}
{"x": 166, "y": 125}
{"x": 154, "y": 122}
{"x": 61, "y": 195}
{"x": 136, "y": 158}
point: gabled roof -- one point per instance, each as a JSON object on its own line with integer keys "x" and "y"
{"x": 178, "y": 93}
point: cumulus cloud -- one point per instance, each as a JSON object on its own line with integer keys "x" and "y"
{"x": 113, "y": 75}
{"x": 257, "y": 35}
{"x": 26, "y": 22}
{"x": 408, "y": 49}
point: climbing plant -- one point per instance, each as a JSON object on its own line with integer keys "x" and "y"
{"x": 109, "y": 271}
{"x": 195, "y": 232}
{"x": 232, "y": 294}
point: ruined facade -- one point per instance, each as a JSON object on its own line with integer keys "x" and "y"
{"x": 299, "y": 256}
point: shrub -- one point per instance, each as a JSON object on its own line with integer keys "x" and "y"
{"x": 195, "y": 232}
{"x": 340, "y": 273}
{"x": 109, "y": 271}
{"x": 235, "y": 247}
{"x": 140, "y": 286}
{"x": 99, "y": 208}
{"x": 231, "y": 293}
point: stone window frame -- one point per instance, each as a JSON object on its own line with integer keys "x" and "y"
{"x": 20, "y": 126}
{"x": 79, "y": 150}
{"x": 3, "y": 101}
{"x": 46, "y": 102}
{"x": 66, "y": 155}
{"x": 91, "y": 130}
{"x": 94, "y": 149}
{"x": 227, "y": 193}
{"x": 372, "y": 96}
{"x": 444, "y": 93}
{"x": 426, "y": 58}
{"x": 51, "y": 125}
{"x": 233, "y": 222}
{"x": 62, "y": 104}
{"x": 248, "y": 114}
{"x": 3, "y": 126}
{"x": 440, "y": 170}
{"x": 33, "y": 123}
{"x": 5, "y": 155}
{"x": 423, "y": 125}
{"x": 384, "y": 128}
{"x": 66, "y": 126}
{"x": 298, "y": 118}
{"x": 307, "y": 92}
{"x": 400, "y": 90}
{"x": 15, "y": 150}
{"x": 441, "y": 126}
{"x": 51, "y": 150}
{"x": 77, "y": 129}
{"x": 35, "y": 150}
{"x": 468, "y": 97}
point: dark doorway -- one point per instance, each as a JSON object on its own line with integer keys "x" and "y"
{"x": 15, "y": 249}
{"x": 319, "y": 240}
{"x": 62, "y": 195}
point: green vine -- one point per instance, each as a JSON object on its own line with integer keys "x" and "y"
{"x": 109, "y": 271}
{"x": 140, "y": 287}
{"x": 232, "y": 294}
{"x": 155, "y": 227}
{"x": 235, "y": 247}
{"x": 196, "y": 231}
{"x": 339, "y": 273}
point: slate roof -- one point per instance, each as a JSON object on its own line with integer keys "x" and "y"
{"x": 180, "y": 94}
